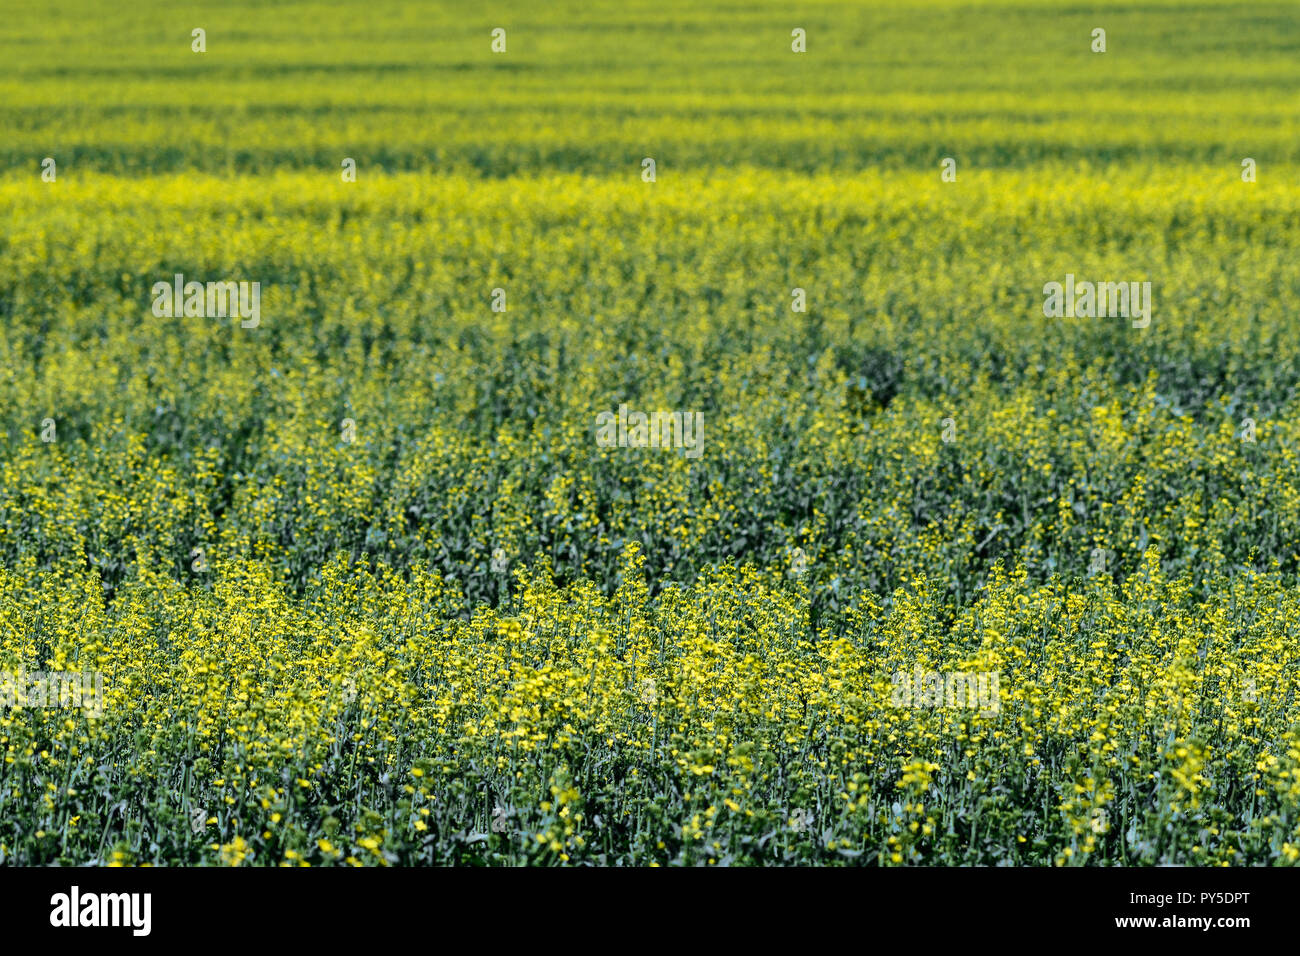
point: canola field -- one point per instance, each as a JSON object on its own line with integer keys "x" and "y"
{"x": 945, "y": 579}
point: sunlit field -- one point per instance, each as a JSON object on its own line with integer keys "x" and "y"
{"x": 938, "y": 577}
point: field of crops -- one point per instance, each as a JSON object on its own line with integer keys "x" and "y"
{"x": 943, "y": 580}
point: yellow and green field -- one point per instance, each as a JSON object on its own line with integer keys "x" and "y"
{"x": 364, "y": 588}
